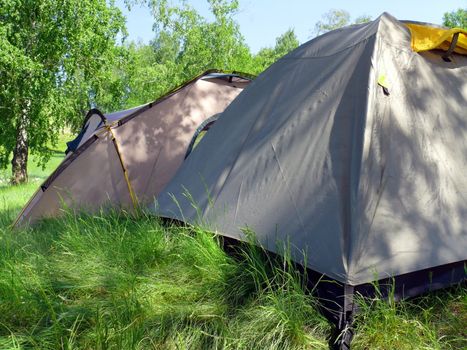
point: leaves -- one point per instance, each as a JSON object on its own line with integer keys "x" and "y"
{"x": 267, "y": 56}
{"x": 335, "y": 19}
{"x": 331, "y": 20}
{"x": 53, "y": 54}
{"x": 456, "y": 19}
{"x": 185, "y": 45}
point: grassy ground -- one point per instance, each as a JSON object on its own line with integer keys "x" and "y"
{"x": 118, "y": 282}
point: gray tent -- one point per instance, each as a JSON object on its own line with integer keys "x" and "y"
{"x": 125, "y": 158}
{"x": 353, "y": 148}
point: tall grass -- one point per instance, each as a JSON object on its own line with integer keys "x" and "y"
{"x": 116, "y": 282}
{"x": 433, "y": 321}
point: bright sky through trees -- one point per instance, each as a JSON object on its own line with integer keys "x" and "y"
{"x": 262, "y": 21}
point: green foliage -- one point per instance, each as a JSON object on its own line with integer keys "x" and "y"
{"x": 362, "y": 19}
{"x": 335, "y": 19}
{"x": 54, "y": 56}
{"x": 456, "y": 19}
{"x": 150, "y": 72}
{"x": 202, "y": 44}
{"x": 267, "y": 56}
{"x": 331, "y": 20}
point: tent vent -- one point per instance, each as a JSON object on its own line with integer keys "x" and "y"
{"x": 203, "y": 127}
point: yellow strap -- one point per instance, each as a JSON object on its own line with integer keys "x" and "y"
{"x": 134, "y": 200}
{"x": 426, "y": 38}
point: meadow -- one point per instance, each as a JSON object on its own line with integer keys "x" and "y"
{"x": 119, "y": 281}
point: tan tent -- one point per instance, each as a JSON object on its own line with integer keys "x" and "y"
{"x": 127, "y": 157}
{"x": 353, "y": 149}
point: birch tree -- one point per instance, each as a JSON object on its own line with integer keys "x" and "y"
{"x": 53, "y": 56}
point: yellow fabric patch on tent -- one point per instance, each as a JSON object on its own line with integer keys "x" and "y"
{"x": 426, "y": 38}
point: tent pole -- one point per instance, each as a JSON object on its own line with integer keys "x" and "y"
{"x": 134, "y": 200}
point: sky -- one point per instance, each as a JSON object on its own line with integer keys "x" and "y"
{"x": 262, "y": 21}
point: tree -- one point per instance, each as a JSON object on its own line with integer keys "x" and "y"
{"x": 185, "y": 45}
{"x": 331, "y": 20}
{"x": 286, "y": 43}
{"x": 152, "y": 70}
{"x": 335, "y": 19}
{"x": 201, "y": 44}
{"x": 267, "y": 56}
{"x": 362, "y": 19}
{"x": 456, "y": 19}
{"x": 54, "y": 55}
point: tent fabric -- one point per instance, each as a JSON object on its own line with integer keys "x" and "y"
{"x": 361, "y": 181}
{"x": 132, "y": 153}
{"x": 95, "y": 120}
{"x": 426, "y": 38}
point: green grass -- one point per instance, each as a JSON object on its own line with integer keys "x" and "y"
{"x": 115, "y": 281}
{"x": 434, "y": 321}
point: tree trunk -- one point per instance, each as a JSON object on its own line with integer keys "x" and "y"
{"x": 19, "y": 163}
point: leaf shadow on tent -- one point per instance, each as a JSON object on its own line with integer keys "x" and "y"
{"x": 154, "y": 144}
{"x": 416, "y": 173}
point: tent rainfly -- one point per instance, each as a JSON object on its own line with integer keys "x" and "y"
{"x": 125, "y": 158}
{"x": 353, "y": 149}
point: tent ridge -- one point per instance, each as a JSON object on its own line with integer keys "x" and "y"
{"x": 356, "y": 174}
{"x": 302, "y": 58}
{"x": 350, "y": 215}
{"x": 124, "y": 168}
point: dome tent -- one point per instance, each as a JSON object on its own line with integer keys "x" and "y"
{"x": 351, "y": 148}
{"x": 125, "y": 158}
